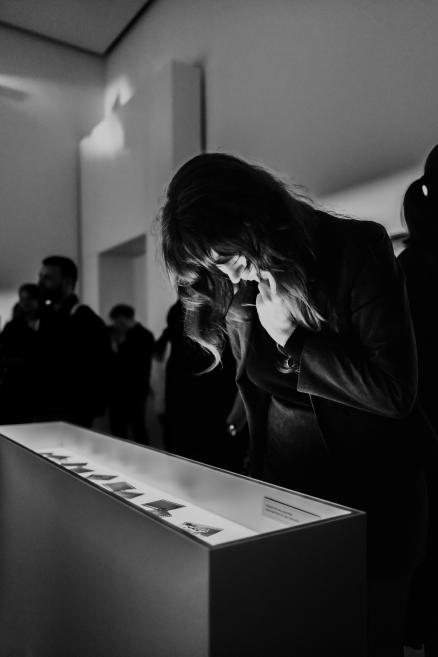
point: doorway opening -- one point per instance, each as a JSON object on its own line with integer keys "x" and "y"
{"x": 122, "y": 277}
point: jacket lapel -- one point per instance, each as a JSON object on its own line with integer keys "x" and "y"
{"x": 242, "y": 314}
{"x": 244, "y": 336}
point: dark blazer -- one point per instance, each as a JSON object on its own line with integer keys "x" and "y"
{"x": 74, "y": 358}
{"x": 420, "y": 265}
{"x": 360, "y": 370}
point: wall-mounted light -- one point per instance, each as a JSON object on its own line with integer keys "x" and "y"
{"x": 117, "y": 94}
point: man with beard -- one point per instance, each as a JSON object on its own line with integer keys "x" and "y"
{"x": 74, "y": 349}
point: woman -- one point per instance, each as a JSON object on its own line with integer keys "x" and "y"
{"x": 316, "y": 311}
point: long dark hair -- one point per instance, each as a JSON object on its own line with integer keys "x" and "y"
{"x": 218, "y": 202}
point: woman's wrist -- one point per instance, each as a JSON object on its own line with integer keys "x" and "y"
{"x": 283, "y": 336}
{"x": 292, "y": 348}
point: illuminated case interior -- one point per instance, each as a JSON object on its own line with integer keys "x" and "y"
{"x": 110, "y": 548}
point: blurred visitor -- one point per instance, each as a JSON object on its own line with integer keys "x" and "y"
{"x": 197, "y": 407}
{"x": 18, "y": 352}
{"x": 75, "y": 351}
{"x": 420, "y": 264}
{"x": 132, "y": 346}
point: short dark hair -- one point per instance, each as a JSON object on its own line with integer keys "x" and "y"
{"x": 67, "y": 267}
{"x": 420, "y": 212}
{"x": 122, "y": 310}
{"x": 32, "y": 289}
{"x": 431, "y": 165}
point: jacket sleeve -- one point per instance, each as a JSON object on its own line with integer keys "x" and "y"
{"x": 233, "y": 336}
{"x": 374, "y": 367}
{"x": 237, "y": 415}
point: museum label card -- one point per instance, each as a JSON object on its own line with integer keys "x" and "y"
{"x": 286, "y": 513}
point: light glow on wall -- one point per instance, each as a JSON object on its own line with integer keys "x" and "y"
{"x": 7, "y": 300}
{"x": 117, "y": 94}
{"x": 16, "y": 88}
{"x": 107, "y": 139}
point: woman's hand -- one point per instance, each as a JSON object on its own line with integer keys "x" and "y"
{"x": 273, "y": 314}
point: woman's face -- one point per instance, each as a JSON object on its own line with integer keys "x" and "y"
{"x": 236, "y": 268}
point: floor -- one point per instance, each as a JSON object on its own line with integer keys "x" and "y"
{"x": 409, "y": 652}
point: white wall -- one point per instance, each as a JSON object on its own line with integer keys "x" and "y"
{"x": 330, "y": 92}
{"x": 116, "y": 282}
{"x": 379, "y": 200}
{"x": 126, "y": 162}
{"x": 50, "y": 96}
{"x": 122, "y": 279}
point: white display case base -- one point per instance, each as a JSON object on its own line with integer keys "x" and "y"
{"x": 87, "y": 570}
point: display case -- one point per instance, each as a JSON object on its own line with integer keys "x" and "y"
{"x": 108, "y": 548}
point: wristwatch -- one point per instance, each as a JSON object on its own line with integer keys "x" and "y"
{"x": 292, "y": 350}
{"x": 288, "y": 361}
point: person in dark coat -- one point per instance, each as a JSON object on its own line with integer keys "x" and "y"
{"x": 197, "y": 407}
{"x": 132, "y": 346}
{"x": 18, "y": 353}
{"x": 74, "y": 350}
{"x": 420, "y": 264}
{"x": 316, "y": 310}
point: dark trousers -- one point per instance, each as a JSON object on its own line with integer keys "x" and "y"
{"x": 396, "y": 517}
{"x": 387, "y": 602}
{"x": 422, "y": 626}
{"x": 128, "y": 419}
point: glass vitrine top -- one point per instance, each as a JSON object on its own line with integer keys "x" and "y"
{"x": 213, "y": 505}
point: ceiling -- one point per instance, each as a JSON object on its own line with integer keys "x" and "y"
{"x": 91, "y": 25}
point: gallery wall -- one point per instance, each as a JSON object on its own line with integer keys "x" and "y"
{"x": 126, "y": 162}
{"x": 331, "y": 93}
{"x": 340, "y": 97}
{"x": 336, "y": 96}
{"x": 379, "y": 199}
{"x": 50, "y": 97}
